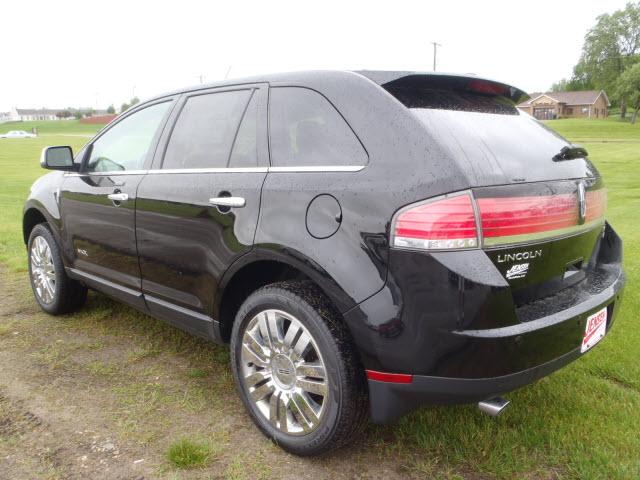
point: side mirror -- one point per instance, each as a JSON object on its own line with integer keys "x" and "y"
{"x": 57, "y": 158}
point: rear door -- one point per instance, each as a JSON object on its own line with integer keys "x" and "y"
{"x": 98, "y": 204}
{"x": 198, "y": 207}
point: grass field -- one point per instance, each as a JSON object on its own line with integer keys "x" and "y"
{"x": 165, "y": 397}
{"x": 62, "y": 127}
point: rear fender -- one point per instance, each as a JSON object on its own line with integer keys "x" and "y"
{"x": 293, "y": 259}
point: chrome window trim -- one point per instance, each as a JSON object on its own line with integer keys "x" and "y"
{"x": 322, "y": 168}
{"x": 292, "y": 169}
{"x": 106, "y": 174}
{"x": 165, "y": 171}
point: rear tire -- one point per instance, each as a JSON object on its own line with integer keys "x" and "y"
{"x": 54, "y": 291}
{"x": 296, "y": 369}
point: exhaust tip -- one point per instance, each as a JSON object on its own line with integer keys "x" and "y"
{"x": 494, "y": 406}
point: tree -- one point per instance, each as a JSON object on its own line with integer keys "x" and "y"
{"x": 124, "y": 107}
{"x": 610, "y": 47}
{"x": 560, "y": 86}
{"x": 111, "y": 109}
{"x": 629, "y": 88}
{"x": 570, "y": 85}
{"x": 133, "y": 101}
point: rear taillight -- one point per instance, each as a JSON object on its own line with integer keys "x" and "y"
{"x": 596, "y": 205}
{"x": 520, "y": 219}
{"x": 460, "y": 221}
{"x": 440, "y": 224}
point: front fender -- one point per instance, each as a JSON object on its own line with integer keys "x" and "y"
{"x": 43, "y": 199}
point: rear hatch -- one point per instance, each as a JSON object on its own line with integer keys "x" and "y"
{"x": 541, "y": 236}
{"x": 535, "y": 205}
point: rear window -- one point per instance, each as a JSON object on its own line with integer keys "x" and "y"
{"x": 450, "y": 99}
{"x": 451, "y": 92}
{"x": 476, "y": 121}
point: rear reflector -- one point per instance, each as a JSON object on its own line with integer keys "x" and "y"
{"x": 389, "y": 377}
{"x": 449, "y": 223}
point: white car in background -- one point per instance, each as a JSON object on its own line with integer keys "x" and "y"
{"x": 17, "y": 134}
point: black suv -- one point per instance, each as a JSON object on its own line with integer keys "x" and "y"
{"x": 367, "y": 242}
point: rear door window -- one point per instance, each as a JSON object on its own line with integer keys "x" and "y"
{"x": 307, "y": 130}
{"x": 245, "y": 147}
{"x": 204, "y": 133}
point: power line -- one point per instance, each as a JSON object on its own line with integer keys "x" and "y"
{"x": 435, "y": 52}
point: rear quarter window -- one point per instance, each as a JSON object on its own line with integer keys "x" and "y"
{"x": 307, "y": 130}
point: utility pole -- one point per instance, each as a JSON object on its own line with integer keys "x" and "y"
{"x": 435, "y": 52}
{"x": 201, "y": 78}
{"x": 226, "y": 75}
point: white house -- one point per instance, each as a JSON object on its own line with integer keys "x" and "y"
{"x": 31, "y": 114}
{"x": 28, "y": 114}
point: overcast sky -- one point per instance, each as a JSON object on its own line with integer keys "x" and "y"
{"x": 65, "y": 53}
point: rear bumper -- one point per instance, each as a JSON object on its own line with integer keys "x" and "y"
{"x": 389, "y": 401}
{"x": 453, "y": 359}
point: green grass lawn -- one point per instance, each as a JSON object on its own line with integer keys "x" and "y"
{"x": 19, "y": 167}
{"x": 581, "y": 422}
{"x": 47, "y": 127}
{"x": 597, "y": 131}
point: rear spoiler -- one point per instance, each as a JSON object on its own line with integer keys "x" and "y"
{"x": 469, "y": 83}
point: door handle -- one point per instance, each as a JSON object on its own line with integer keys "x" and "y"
{"x": 118, "y": 197}
{"x": 235, "y": 202}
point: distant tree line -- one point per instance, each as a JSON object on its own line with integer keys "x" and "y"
{"x": 126, "y": 106}
{"x": 610, "y": 58}
{"x": 78, "y": 113}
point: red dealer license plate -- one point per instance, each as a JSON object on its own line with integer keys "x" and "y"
{"x": 595, "y": 329}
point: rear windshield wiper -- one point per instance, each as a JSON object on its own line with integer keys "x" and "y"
{"x": 570, "y": 152}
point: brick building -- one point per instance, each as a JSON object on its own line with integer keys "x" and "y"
{"x": 581, "y": 104}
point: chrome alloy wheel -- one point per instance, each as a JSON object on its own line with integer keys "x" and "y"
{"x": 283, "y": 372}
{"x": 43, "y": 271}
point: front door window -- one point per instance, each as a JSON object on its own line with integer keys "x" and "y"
{"x": 125, "y": 145}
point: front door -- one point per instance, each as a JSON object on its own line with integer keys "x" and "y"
{"x": 98, "y": 204}
{"x": 197, "y": 209}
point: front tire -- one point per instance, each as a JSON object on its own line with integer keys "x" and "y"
{"x": 54, "y": 291}
{"x": 296, "y": 369}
